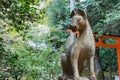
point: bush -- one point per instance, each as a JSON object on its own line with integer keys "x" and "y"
{"x": 20, "y": 61}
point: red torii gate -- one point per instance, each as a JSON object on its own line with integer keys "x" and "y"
{"x": 116, "y": 45}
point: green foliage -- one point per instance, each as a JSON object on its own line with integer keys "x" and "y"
{"x": 57, "y": 10}
{"x": 20, "y": 61}
{"x": 17, "y": 12}
{"x": 58, "y": 38}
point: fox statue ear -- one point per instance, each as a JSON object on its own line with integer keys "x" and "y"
{"x": 72, "y": 13}
{"x": 82, "y": 13}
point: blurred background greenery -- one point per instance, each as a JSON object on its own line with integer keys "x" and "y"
{"x": 33, "y": 33}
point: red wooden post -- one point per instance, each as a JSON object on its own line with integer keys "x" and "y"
{"x": 116, "y": 45}
{"x": 118, "y": 56}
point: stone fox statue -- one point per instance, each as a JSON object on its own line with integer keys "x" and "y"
{"x": 78, "y": 49}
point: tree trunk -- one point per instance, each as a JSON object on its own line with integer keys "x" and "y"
{"x": 98, "y": 66}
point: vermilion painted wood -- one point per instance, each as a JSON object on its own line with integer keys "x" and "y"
{"x": 116, "y": 45}
{"x": 105, "y": 36}
{"x": 118, "y": 56}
